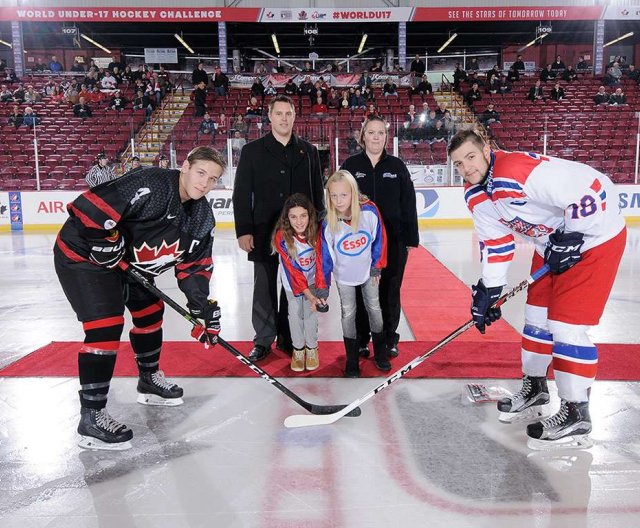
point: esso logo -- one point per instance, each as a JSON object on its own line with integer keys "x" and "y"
{"x": 354, "y": 244}
{"x": 307, "y": 259}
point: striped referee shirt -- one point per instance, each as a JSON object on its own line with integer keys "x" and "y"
{"x": 98, "y": 175}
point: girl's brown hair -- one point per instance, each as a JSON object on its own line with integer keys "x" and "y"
{"x": 283, "y": 224}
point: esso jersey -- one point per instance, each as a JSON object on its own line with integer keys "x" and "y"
{"x": 309, "y": 267}
{"x": 354, "y": 254}
{"x": 534, "y": 195}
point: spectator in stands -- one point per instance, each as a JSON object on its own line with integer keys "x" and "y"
{"x": 372, "y": 111}
{"x": 270, "y": 90}
{"x": 558, "y": 66}
{"x": 535, "y": 92}
{"x": 569, "y": 74}
{"x": 424, "y": 87}
{"x": 473, "y": 65}
{"x": 10, "y": 76}
{"x": 262, "y": 69}
{"x": 116, "y": 74}
{"x": 18, "y": 94}
{"x": 474, "y": 78}
{"x": 504, "y": 86}
{"x": 489, "y": 116}
{"x": 77, "y": 67}
{"x": 163, "y": 161}
{"x": 237, "y": 142}
{"x": 473, "y": 95}
{"x": 15, "y": 118}
{"x": 109, "y": 82}
{"x": 40, "y": 66}
{"x": 135, "y": 164}
{"x": 333, "y": 99}
{"x": 143, "y": 102}
{"x": 390, "y": 89}
{"x": 547, "y": 74}
{"x": 220, "y": 82}
{"x": 449, "y": 124}
{"x": 459, "y": 76}
{"x": 437, "y": 133}
{"x": 493, "y": 72}
{"x": 602, "y": 97}
{"x": 365, "y": 79}
{"x": 254, "y": 109}
{"x": 357, "y": 101}
{"x": 207, "y": 126}
{"x": 633, "y": 73}
{"x": 557, "y": 92}
{"x": 139, "y": 74}
{"x": 368, "y": 94}
{"x": 442, "y": 108}
{"x": 306, "y": 87}
{"x": 101, "y": 172}
{"x": 418, "y": 66}
{"x": 118, "y": 101}
{"x": 430, "y": 122}
{"x": 618, "y": 98}
{"x": 411, "y": 116}
{"x": 55, "y": 66}
{"x": 582, "y": 64}
{"x": 318, "y": 91}
{"x": 90, "y": 80}
{"x": 31, "y": 96}
{"x": 518, "y": 65}
{"x": 353, "y": 143}
{"x": 221, "y": 125}
{"x": 614, "y": 74}
{"x": 513, "y": 75}
{"x": 197, "y": 76}
{"x": 424, "y": 114}
{"x": 82, "y": 109}
{"x": 493, "y": 87}
{"x": 6, "y": 95}
{"x": 319, "y": 108}
{"x": 257, "y": 89}
{"x": 200, "y": 99}
{"x": 96, "y": 96}
{"x": 307, "y": 67}
{"x": 72, "y": 93}
{"x": 30, "y": 118}
{"x": 345, "y": 101}
{"x": 290, "y": 88}
{"x": 240, "y": 125}
{"x": 48, "y": 87}
{"x": 377, "y": 67}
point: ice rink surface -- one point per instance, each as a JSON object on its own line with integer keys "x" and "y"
{"x": 420, "y": 455}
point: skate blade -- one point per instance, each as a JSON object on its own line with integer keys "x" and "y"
{"x": 154, "y": 399}
{"x": 88, "y": 442}
{"x": 530, "y": 415}
{"x": 568, "y": 442}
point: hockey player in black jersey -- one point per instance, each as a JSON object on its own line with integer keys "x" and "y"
{"x": 153, "y": 219}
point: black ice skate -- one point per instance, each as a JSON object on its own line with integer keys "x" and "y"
{"x": 100, "y": 431}
{"x": 154, "y": 389}
{"x": 568, "y": 428}
{"x": 526, "y": 405}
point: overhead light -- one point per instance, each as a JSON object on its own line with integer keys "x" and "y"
{"x": 181, "y": 40}
{"x": 449, "y": 40}
{"x": 534, "y": 41}
{"x": 361, "y": 46}
{"x": 275, "y": 43}
{"x": 627, "y": 35}
{"x": 6, "y": 43}
{"x": 89, "y": 39}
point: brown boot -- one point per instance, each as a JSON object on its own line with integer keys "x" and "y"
{"x": 313, "y": 358}
{"x": 297, "y": 360}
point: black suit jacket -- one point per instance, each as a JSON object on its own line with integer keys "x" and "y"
{"x": 264, "y": 180}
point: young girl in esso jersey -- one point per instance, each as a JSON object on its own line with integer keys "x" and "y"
{"x": 298, "y": 243}
{"x": 357, "y": 242}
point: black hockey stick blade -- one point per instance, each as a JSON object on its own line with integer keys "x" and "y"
{"x": 311, "y": 407}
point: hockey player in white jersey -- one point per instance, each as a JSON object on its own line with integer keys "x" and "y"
{"x": 570, "y": 213}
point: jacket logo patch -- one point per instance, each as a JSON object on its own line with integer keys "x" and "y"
{"x": 526, "y": 228}
{"x": 389, "y": 175}
{"x": 359, "y": 175}
{"x": 353, "y": 244}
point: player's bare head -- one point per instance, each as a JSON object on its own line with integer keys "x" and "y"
{"x": 200, "y": 172}
{"x": 465, "y": 135}
{"x": 206, "y": 154}
{"x": 470, "y": 154}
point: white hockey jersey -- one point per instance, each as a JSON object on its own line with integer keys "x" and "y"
{"x": 534, "y": 195}
{"x": 355, "y": 254}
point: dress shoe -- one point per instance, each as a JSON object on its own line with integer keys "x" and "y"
{"x": 259, "y": 352}
{"x": 393, "y": 351}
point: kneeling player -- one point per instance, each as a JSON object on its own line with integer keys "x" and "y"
{"x": 154, "y": 219}
{"x": 570, "y": 213}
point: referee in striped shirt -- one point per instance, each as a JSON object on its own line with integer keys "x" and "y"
{"x": 100, "y": 172}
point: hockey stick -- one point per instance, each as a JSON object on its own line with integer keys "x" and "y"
{"x": 303, "y": 420}
{"x": 311, "y": 407}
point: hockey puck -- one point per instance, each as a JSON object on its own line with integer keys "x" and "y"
{"x": 322, "y": 308}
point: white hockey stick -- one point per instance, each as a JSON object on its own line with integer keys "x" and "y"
{"x": 304, "y": 420}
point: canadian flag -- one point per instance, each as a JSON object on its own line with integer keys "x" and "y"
{"x": 155, "y": 260}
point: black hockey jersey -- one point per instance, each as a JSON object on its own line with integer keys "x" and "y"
{"x": 160, "y": 232}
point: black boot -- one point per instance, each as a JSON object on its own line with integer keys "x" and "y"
{"x": 352, "y": 368}
{"x": 380, "y": 352}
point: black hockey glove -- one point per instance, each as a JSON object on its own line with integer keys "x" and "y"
{"x": 210, "y": 314}
{"x": 107, "y": 252}
{"x": 563, "y": 251}
{"x": 481, "y": 308}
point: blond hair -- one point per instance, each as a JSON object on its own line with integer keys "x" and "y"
{"x": 333, "y": 217}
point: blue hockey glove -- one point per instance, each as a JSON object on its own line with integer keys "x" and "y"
{"x": 210, "y": 314}
{"x": 481, "y": 307}
{"x": 563, "y": 251}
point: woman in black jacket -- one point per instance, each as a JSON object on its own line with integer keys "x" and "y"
{"x": 385, "y": 179}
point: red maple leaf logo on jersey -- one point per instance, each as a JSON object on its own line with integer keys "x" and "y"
{"x": 155, "y": 260}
